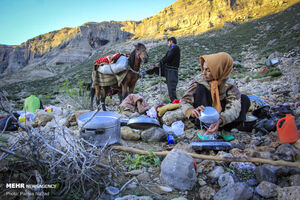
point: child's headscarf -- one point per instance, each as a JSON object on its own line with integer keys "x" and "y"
{"x": 220, "y": 66}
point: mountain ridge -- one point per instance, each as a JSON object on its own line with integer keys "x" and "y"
{"x": 70, "y": 46}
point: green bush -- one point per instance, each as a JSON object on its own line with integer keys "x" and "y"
{"x": 273, "y": 72}
{"x": 139, "y": 161}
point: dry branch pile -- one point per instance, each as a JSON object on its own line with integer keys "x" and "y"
{"x": 55, "y": 157}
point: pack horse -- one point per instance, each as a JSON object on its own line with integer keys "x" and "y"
{"x": 125, "y": 80}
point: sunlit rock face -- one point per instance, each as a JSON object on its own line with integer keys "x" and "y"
{"x": 188, "y": 17}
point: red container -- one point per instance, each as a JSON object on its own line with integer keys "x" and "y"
{"x": 287, "y": 129}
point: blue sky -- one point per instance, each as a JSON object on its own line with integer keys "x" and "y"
{"x": 21, "y": 20}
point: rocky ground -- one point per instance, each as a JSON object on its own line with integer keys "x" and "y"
{"x": 179, "y": 176}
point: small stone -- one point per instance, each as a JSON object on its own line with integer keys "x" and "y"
{"x": 128, "y": 134}
{"x": 226, "y": 179}
{"x": 201, "y": 182}
{"x": 295, "y": 180}
{"x": 267, "y": 189}
{"x": 206, "y": 192}
{"x": 42, "y": 118}
{"x": 180, "y": 198}
{"x": 289, "y": 193}
{"x": 238, "y": 191}
{"x": 206, "y": 166}
{"x": 242, "y": 166}
{"x": 216, "y": 172}
{"x": 132, "y": 185}
{"x": 264, "y": 173}
{"x": 287, "y": 152}
{"x": 144, "y": 177}
{"x": 165, "y": 188}
{"x": 297, "y": 144}
{"x": 133, "y": 197}
{"x": 252, "y": 182}
{"x": 134, "y": 172}
{"x": 112, "y": 190}
{"x": 154, "y": 134}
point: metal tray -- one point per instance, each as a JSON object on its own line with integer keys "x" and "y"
{"x": 142, "y": 122}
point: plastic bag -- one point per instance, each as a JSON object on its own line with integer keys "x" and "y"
{"x": 26, "y": 117}
{"x": 152, "y": 113}
{"x": 168, "y": 129}
{"x": 178, "y": 128}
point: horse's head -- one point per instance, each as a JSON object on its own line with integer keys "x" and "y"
{"x": 141, "y": 52}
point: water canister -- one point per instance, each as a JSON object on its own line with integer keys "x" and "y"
{"x": 287, "y": 129}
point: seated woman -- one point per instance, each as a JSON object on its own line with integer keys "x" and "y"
{"x": 215, "y": 88}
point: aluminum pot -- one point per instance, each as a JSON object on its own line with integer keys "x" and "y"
{"x": 103, "y": 129}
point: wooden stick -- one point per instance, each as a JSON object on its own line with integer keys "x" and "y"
{"x": 217, "y": 158}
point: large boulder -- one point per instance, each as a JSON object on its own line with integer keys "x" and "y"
{"x": 178, "y": 170}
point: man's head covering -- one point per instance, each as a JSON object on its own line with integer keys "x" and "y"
{"x": 220, "y": 66}
{"x": 173, "y": 39}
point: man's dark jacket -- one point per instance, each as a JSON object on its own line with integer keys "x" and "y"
{"x": 172, "y": 58}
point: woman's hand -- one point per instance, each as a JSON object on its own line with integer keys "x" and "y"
{"x": 213, "y": 128}
{"x": 196, "y": 111}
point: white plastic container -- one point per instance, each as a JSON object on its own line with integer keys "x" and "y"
{"x": 209, "y": 115}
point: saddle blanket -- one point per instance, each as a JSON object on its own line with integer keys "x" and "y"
{"x": 108, "y": 79}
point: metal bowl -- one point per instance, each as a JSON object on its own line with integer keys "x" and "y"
{"x": 142, "y": 122}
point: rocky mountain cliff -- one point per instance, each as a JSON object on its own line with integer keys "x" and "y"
{"x": 184, "y": 17}
{"x": 65, "y": 46}
{"x": 190, "y": 17}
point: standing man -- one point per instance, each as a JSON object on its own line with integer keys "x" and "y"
{"x": 169, "y": 65}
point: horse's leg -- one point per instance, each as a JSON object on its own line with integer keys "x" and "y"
{"x": 120, "y": 95}
{"x": 104, "y": 93}
{"x": 92, "y": 95}
{"x": 131, "y": 86}
{"x": 124, "y": 90}
{"x": 97, "y": 90}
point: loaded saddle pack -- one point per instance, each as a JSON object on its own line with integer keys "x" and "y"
{"x": 110, "y": 70}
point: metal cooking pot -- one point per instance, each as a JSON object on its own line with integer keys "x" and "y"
{"x": 142, "y": 122}
{"x": 103, "y": 128}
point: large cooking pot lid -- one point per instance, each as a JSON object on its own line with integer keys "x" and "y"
{"x": 142, "y": 122}
{"x": 103, "y": 119}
